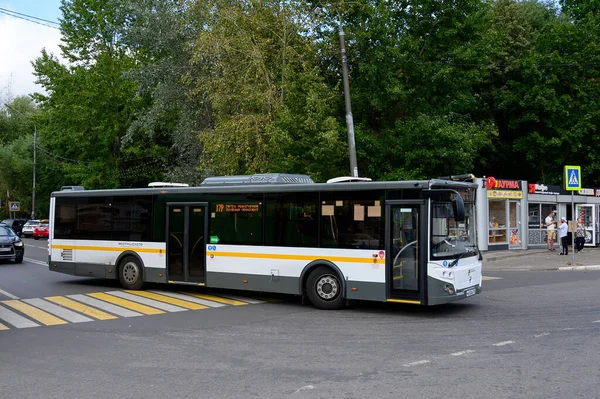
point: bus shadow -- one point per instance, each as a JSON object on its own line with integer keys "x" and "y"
{"x": 384, "y": 308}
{"x": 446, "y": 310}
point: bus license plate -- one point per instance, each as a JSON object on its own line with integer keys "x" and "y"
{"x": 470, "y": 292}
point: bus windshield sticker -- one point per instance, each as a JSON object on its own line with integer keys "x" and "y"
{"x": 327, "y": 210}
{"x": 214, "y": 239}
{"x": 359, "y": 213}
{"x": 374, "y": 211}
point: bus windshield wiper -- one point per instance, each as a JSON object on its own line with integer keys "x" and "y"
{"x": 479, "y": 254}
{"x": 461, "y": 255}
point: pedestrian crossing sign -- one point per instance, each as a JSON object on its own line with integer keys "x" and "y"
{"x": 14, "y": 206}
{"x": 572, "y": 178}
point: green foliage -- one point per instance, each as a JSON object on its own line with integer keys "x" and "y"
{"x": 183, "y": 89}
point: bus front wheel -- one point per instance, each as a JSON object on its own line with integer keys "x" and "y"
{"x": 130, "y": 274}
{"x": 324, "y": 289}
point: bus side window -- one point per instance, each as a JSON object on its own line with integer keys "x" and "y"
{"x": 291, "y": 220}
{"x": 352, "y": 219}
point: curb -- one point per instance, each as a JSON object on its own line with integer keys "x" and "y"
{"x": 583, "y": 268}
{"x": 492, "y": 258}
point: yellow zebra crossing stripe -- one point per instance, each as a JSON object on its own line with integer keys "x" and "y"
{"x": 216, "y": 299}
{"x": 138, "y": 307}
{"x": 59, "y": 310}
{"x": 167, "y": 299}
{"x": 81, "y": 308}
{"x": 34, "y": 313}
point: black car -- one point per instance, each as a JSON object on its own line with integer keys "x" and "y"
{"x": 11, "y": 246}
{"x": 15, "y": 224}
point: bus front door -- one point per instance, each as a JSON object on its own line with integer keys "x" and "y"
{"x": 404, "y": 245}
{"x": 186, "y": 243}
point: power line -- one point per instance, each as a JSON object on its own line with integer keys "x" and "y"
{"x": 30, "y": 18}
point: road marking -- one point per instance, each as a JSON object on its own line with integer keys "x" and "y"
{"x": 216, "y": 299}
{"x": 105, "y": 306}
{"x": 8, "y": 294}
{"x": 491, "y": 278}
{"x": 462, "y": 352}
{"x": 416, "y": 363}
{"x": 34, "y": 313}
{"x": 541, "y": 335}
{"x": 188, "y": 298}
{"x": 242, "y": 299}
{"x": 3, "y": 327}
{"x": 57, "y": 310}
{"x": 503, "y": 343}
{"x": 597, "y": 321}
{"x": 37, "y": 262}
{"x": 81, "y": 308}
{"x": 148, "y": 302}
{"x": 173, "y": 301}
{"x": 126, "y": 304}
{"x": 304, "y": 388}
{"x": 15, "y": 319}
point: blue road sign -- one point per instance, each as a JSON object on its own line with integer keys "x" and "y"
{"x": 572, "y": 178}
{"x": 14, "y": 206}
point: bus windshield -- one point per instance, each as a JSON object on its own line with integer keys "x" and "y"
{"x": 452, "y": 239}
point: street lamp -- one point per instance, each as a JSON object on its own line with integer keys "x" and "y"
{"x": 34, "y": 159}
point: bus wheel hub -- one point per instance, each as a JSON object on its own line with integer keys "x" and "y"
{"x": 130, "y": 272}
{"x": 327, "y": 287}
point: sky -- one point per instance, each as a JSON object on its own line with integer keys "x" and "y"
{"x": 21, "y": 42}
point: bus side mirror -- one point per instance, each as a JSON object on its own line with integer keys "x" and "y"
{"x": 459, "y": 208}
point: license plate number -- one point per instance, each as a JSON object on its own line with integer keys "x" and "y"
{"x": 4, "y": 249}
{"x": 470, "y": 292}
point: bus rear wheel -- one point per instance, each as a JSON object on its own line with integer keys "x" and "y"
{"x": 131, "y": 274}
{"x": 324, "y": 289}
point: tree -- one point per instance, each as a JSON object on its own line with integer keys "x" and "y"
{"x": 269, "y": 109}
{"x": 91, "y": 102}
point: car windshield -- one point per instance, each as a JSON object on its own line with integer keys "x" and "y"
{"x": 5, "y": 231}
{"x": 43, "y": 225}
{"x": 452, "y": 239}
{"x": 32, "y": 223}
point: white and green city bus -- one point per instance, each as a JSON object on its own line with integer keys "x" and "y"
{"x": 402, "y": 241}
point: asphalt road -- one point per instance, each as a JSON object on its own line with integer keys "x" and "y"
{"x": 531, "y": 334}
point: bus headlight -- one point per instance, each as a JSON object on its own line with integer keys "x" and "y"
{"x": 449, "y": 288}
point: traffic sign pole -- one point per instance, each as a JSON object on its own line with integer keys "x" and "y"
{"x": 573, "y": 182}
{"x": 574, "y": 229}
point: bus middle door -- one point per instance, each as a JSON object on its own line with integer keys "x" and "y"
{"x": 186, "y": 242}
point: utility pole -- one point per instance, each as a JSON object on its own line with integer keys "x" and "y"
{"x": 34, "y": 159}
{"x": 349, "y": 120}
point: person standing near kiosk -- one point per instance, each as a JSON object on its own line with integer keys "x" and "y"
{"x": 563, "y": 231}
{"x": 550, "y": 230}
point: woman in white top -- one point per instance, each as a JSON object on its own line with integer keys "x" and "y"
{"x": 563, "y": 230}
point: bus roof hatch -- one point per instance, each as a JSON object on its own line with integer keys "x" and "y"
{"x": 261, "y": 178}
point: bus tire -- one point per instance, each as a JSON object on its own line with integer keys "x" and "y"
{"x": 324, "y": 289}
{"x": 131, "y": 274}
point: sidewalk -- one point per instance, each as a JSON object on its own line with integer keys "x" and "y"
{"x": 540, "y": 259}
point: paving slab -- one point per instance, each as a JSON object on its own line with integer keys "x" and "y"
{"x": 541, "y": 259}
